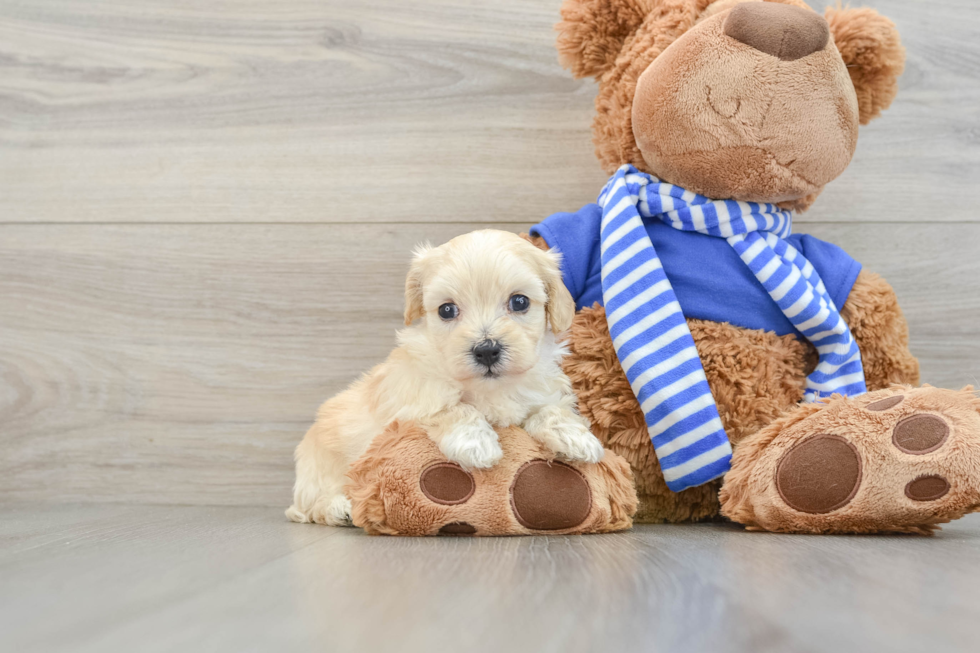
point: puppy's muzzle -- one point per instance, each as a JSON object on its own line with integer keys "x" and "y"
{"x": 487, "y": 353}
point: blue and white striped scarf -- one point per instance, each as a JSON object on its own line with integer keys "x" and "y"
{"x": 650, "y": 334}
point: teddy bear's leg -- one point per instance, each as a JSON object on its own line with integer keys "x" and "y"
{"x": 607, "y": 401}
{"x": 882, "y": 334}
{"x": 897, "y": 460}
{"x": 755, "y": 376}
{"x": 403, "y": 485}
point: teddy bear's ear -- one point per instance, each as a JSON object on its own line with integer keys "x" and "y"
{"x": 592, "y": 32}
{"x": 873, "y": 53}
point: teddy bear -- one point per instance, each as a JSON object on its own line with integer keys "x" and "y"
{"x": 741, "y": 371}
{"x": 760, "y": 101}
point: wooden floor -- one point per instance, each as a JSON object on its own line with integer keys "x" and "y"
{"x": 124, "y": 578}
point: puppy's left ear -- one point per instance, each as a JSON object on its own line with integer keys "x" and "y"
{"x": 561, "y": 307}
{"x": 414, "y": 308}
{"x": 873, "y": 54}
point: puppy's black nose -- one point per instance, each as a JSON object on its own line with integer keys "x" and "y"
{"x": 487, "y": 353}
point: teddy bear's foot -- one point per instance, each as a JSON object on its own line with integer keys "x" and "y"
{"x": 896, "y": 460}
{"x": 404, "y": 485}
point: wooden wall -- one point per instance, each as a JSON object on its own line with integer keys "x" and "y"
{"x": 206, "y": 212}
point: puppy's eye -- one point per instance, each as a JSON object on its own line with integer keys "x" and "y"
{"x": 448, "y": 311}
{"x": 519, "y": 303}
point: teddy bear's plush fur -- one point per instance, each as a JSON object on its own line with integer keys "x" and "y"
{"x": 680, "y": 99}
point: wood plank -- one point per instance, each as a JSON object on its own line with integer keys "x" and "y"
{"x": 182, "y": 363}
{"x": 926, "y": 141}
{"x": 104, "y": 565}
{"x": 294, "y": 111}
{"x": 299, "y": 110}
{"x": 166, "y": 578}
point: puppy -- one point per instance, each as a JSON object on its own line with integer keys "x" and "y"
{"x": 483, "y": 313}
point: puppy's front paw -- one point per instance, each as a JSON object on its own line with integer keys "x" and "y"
{"x": 338, "y": 514}
{"x": 472, "y": 445}
{"x": 569, "y": 439}
{"x": 575, "y": 441}
{"x": 333, "y": 511}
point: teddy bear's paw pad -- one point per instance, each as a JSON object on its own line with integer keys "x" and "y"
{"x": 819, "y": 475}
{"x": 447, "y": 484}
{"x": 550, "y": 496}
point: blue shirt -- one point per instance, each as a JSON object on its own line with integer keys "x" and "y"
{"x": 709, "y": 279}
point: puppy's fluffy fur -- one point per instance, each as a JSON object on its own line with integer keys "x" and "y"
{"x": 437, "y": 378}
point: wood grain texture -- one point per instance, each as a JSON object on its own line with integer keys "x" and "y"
{"x": 338, "y": 111}
{"x": 297, "y": 111}
{"x": 156, "y": 578}
{"x": 922, "y": 156}
{"x": 182, "y": 363}
{"x": 271, "y": 164}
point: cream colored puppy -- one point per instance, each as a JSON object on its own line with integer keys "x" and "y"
{"x": 480, "y": 350}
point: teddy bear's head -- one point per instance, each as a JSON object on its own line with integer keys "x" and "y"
{"x": 755, "y": 100}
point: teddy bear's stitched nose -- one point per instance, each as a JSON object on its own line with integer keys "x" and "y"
{"x": 783, "y": 31}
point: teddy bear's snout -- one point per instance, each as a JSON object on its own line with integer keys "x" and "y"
{"x": 783, "y": 31}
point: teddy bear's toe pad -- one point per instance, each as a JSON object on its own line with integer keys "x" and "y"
{"x": 458, "y": 528}
{"x": 920, "y": 434}
{"x": 888, "y": 461}
{"x": 885, "y": 404}
{"x": 447, "y": 484}
{"x": 927, "y": 488}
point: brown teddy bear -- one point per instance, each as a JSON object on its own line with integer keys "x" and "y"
{"x": 760, "y": 102}
{"x": 745, "y": 108}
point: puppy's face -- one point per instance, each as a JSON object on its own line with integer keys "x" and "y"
{"x": 487, "y": 299}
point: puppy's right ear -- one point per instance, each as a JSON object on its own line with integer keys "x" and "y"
{"x": 414, "y": 308}
{"x": 560, "y": 308}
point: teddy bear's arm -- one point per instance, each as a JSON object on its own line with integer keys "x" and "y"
{"x": 882, "y": 334}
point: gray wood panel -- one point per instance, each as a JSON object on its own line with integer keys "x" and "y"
{"x": 182, "y": 363}
{"x": 383, "y": 110}
{"x": 156, "y": 578}
{"x": 920, "y": 161}
{"x": 297, "y": 111}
